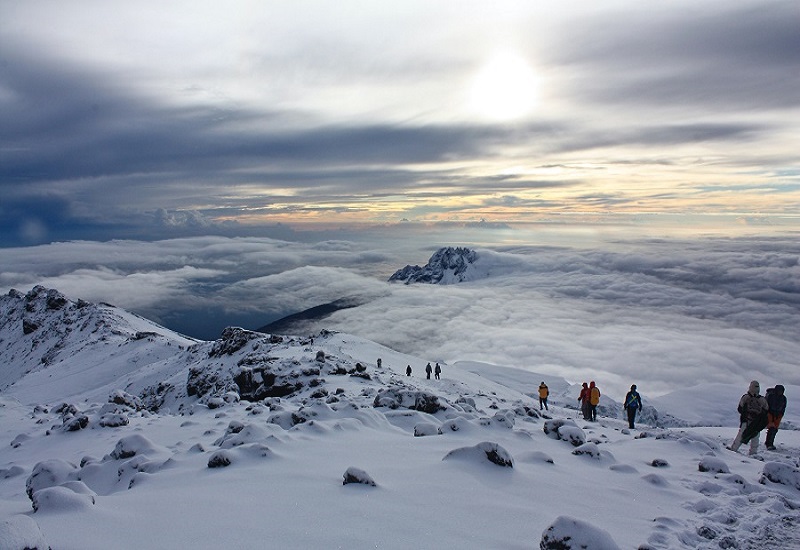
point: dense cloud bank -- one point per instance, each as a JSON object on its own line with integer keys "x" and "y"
{"x": 664, "y": 314}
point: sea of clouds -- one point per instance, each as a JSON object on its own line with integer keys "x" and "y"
{"x": 660, "y": 313}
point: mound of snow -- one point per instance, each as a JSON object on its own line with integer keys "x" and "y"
{"x": 21, "y": 533}
{"x": 482, "y": 452}
{"x": 567, "y": 533}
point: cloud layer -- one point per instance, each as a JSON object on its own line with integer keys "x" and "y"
{"x": 660, "y": 313}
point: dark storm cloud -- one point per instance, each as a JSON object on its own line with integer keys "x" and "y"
{"x": 722, "y": 58}
{"x": 90, "y": 128}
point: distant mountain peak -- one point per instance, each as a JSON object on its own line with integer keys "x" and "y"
{"x": 447, "y": 265}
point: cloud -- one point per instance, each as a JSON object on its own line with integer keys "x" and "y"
{"x": 731, "y": 56}
{"x": 660, "y": 313}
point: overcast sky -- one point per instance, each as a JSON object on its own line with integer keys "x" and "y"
{"x": 149, "y": 119}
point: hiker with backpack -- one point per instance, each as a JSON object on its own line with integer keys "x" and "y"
{"x": 428, "y": 370}
{"x": 752, "y": 409}
{"x": 584, "y": 399}
{"x": 544, "y": 391}
{"x": 776, "y": 406}
{"x": 633, "y": 403}
{"x": 437, "y": 371}
{"x": 594, "y": 400}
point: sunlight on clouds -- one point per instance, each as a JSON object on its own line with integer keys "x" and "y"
{"x": 505, "y": 88}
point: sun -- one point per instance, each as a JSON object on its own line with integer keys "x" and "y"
{"x": 504, "y": 88}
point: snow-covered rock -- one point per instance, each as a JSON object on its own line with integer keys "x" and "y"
{"x": 447, "y": 265}
{"x": 567, "y": 533}
{"x": 20, "y": 532}
{"x": 357, "y": 475}
{"x": 482, "y": 452}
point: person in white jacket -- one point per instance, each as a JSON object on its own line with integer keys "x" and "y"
{"x": 752, "y": 413}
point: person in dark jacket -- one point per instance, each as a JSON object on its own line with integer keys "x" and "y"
{"x": 408, "y": 370}
{"x": 428, "y": 370}
{"x": 437, "y": 371}
{"x": 776, "y": 406}
{"x": 633, "y": 403}
{"x": 752, "y": 418}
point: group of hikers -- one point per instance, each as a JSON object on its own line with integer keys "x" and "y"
{"x": 757, "y": 412}
{"x": 590, "y": 398}
{"x": 428, "y": 370}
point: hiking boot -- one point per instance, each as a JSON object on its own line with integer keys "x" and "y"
{"x": 770, "y": 447}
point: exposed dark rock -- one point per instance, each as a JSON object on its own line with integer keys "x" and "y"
{"x": 414, "y": 400}
{"x": 220, "y": 459}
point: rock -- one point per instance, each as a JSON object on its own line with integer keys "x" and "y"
{"x": 21, "y": 532}
{"x": 49, "y": 473}
{"x": 356, "y": 475}
{"x": 220, "y": 459}
{"x": 778, "y": 472}
{"x": 113, "y": 420}
{"x": 426, "y": 428}
{"x": 567, "y": 533}
{"x": 713, "y": 465}
{"x": 414, "y": 400}
{"x": 486, "y": 450}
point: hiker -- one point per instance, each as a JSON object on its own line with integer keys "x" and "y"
{"x": 584, "y": 399}
{"x": 544, "y": 391}
{"x": 633, "y": 403}
{"x": 408, "y": 370}
{"x": 437, "y": 371}
{"x": 776, "y": 406}
{"x": 594, "y": 400}
{"x": 428, "y": 370}
{"x": 752, "y": 418}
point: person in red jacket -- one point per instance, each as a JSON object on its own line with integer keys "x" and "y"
{"x": 584, "y": 399}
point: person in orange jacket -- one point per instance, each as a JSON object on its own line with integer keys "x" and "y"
{"x": 594, "y": 400}
{"x": 544, "y": 391}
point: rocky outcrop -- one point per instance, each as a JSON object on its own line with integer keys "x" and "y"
{"x": 447, "y": 265}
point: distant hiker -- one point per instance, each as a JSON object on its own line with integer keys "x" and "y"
{"x": 408, "y": 370}
{"x": 584, "y": 399}
{"x": 633, "y": 403}
{"x": 428, "y": 370}
{"x": 776, "y": 406}
{"x": 543, "y": 393}
{"x": 437, "y": 371}
{"x": 379, "y": 362}
{"x": 594, "y": 400}
{"x": 752, "y": 409}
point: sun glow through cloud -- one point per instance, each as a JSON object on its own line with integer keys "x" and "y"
{"x": 505, "y": 88}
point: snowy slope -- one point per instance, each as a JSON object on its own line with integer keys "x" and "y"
{"x": 246, "y": 442}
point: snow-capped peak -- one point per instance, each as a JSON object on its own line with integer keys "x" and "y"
{"x": 447, "y": 265}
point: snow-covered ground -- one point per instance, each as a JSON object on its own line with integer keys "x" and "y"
{"x": 157, "y": 465}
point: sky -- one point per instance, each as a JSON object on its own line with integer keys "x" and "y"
{"x": 149, "y": 121}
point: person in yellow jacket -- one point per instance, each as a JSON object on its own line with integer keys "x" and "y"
{"x": 594, "y": 400}
{"x": 543, "y": 393}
